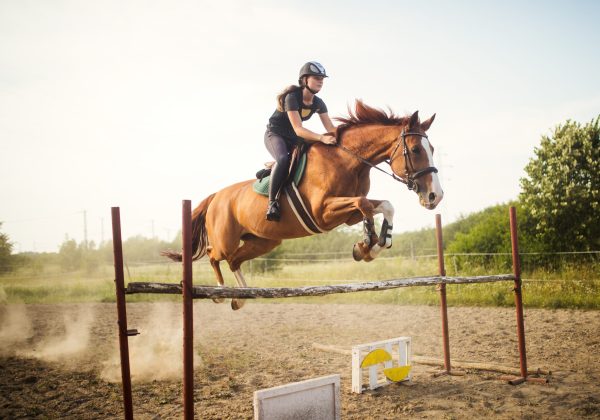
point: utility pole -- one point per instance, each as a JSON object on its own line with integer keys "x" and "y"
{"x": 85, "y": 237}
{"x": 101, "y": 230}
{"x": 153, "y": 236}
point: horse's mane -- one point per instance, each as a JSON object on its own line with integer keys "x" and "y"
{"x": 364, "y": 115}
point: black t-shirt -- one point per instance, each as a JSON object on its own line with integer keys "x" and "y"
{"x": 279, "y": 123}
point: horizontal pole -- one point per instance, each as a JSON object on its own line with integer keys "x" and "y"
{"x": 431, "y": 361}
{"x": 209, "y": 292}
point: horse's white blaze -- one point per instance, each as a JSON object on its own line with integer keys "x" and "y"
{"x": 435, "y": 186}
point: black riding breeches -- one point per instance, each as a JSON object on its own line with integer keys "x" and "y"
{"x": 281, "y": 150}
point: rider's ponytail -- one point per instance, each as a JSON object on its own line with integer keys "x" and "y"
{"x": 283, "y": 94}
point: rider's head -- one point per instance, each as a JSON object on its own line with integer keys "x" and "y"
{"x": 311, "y": 76}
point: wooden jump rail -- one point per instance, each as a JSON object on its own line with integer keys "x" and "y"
{"x": 190, "y": 292}
{"x": 210, "y": 292}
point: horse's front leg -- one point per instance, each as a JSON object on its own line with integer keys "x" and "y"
{"x": 385, "y": 236}
{"x": 361, "y": 249}
{"x": 350, "y": 210}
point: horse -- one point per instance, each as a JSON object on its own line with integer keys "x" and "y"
{"x": 230, "y": 224}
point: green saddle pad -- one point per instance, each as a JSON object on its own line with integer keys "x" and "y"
{"x": 262, "y": 186}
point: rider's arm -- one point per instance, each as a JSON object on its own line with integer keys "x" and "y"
{"x": 305, "y": 133}
{"x": 327, "y": 122}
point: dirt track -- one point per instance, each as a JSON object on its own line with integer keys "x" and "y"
{"x": 61, "y": 372}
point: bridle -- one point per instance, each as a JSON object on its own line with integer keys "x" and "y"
{"x": 410, "y": 175}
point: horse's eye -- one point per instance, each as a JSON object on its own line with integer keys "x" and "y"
{"x": 415, "y": 150}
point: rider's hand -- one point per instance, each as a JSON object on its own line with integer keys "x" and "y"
{"x": 328, "y": 139}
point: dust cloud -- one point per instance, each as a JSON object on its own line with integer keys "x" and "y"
{"x": 155, "y": 354}
{"x": 67, "y": 340}
{"x": 15, "y": 325}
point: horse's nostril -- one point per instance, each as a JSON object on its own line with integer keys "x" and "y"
{"x": 431, "y": 197}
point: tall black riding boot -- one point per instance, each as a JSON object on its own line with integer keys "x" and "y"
{"x": 278, "y": 174}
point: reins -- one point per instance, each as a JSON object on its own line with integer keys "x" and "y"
{"x": 410, "y": 178}
{"x": 366, "y": 162}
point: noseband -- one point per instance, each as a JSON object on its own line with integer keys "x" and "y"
{"x": 410, "y": 175}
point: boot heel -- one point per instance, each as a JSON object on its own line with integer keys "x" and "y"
{"x": 273, "y": 213}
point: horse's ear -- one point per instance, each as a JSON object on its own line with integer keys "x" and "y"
{"x": 426, "y": 124}
{"x": 414, "y": 120}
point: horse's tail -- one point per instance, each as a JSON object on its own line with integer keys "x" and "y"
{"x": 199, "y": 234}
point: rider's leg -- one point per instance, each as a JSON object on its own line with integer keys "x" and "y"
{"x": 280, "y": 150}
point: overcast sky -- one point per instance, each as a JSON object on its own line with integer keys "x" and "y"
{"x": 141, "y": 104}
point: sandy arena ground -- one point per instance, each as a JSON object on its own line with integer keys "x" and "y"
{"x": 61, "y": 361}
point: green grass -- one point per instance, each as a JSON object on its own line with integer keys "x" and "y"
{"x": 570, "y": 287}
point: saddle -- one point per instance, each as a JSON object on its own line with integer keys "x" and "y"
{"x": 290, "y": 190}
{"x": 295, "y": 171}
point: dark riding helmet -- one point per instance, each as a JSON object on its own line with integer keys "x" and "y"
{"x": 312, "y": 68}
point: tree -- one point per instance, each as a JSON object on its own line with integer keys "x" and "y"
{"x": 490, "y": 233}
{"x": 562, "y": 189}
{"x": 487, "y": 232}
{"x": 5, "y": 253}
{"x": 70, "y": 255}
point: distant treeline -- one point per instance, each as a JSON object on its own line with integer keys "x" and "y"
{"x": 485, "y": 232}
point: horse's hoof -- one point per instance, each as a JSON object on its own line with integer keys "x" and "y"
{"x": 218, "y": 300}
{"x": 237, "y": 304}
{"x": 357, "y": 253}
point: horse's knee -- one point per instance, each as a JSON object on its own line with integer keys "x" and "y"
{"x": 365, "y": 206}
{"x": 363, "y": 202}
{"x": 387, "y": 209}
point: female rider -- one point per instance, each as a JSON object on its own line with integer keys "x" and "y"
{"x": 294, "y": 105}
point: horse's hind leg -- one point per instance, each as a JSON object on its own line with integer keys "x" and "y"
{"x": 253, "y": 247}
{"x": 238, "y": 303}
{"x": 217, "y": 269}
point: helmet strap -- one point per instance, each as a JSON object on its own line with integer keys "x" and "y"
{"x": 314, "y": 92}
{"x": 303, "y": 82}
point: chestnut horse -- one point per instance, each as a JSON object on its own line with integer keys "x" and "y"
{"x": 230, "y": 224}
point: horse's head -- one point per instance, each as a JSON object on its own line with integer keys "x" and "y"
{"x": 403, "y": 143}
{"x": 412, "y": 160}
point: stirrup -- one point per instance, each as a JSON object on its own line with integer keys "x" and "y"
{"x": 273, "y": 212}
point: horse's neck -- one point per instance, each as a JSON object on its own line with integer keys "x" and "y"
{"x": 372, "y": 143}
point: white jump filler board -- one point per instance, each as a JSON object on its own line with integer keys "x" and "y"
{"x": 378, "y": 357}
{"x": 317, "y": 398}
